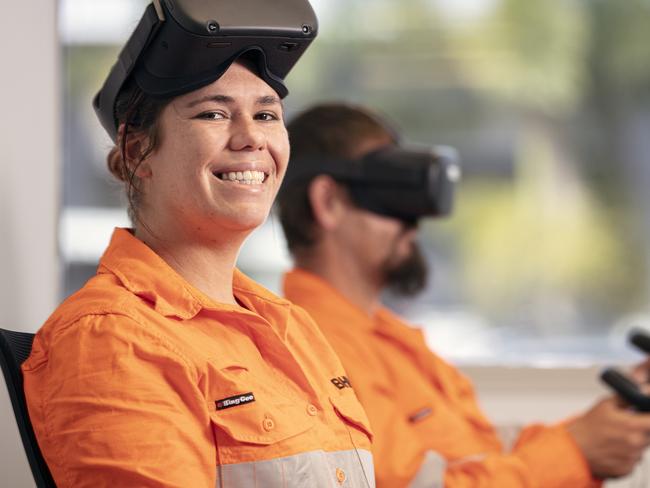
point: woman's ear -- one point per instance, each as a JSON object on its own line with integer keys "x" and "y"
{"x": 135, "y": 146}
{"x": 328, "y": 200}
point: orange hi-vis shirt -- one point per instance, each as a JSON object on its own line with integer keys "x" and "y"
{"x": 422, "y": 409}
{"x": 139, "y": 379}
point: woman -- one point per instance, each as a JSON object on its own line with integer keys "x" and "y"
{"x": 170, "y": 367}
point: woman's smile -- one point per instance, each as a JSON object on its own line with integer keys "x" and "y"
{"x": 249, "y": 174}
{"x": 243, "y": 177}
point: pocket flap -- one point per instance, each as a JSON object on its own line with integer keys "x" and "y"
{"x": 260, "y": 423}
{"x": 347, "y": 406}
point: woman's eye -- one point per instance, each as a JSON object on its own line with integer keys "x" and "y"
{"x": 266, "y": 116}
{"x": 211, "y": 116}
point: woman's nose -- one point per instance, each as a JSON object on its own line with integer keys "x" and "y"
{"x": 247, "y": 135}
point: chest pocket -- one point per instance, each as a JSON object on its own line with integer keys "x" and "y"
{"x": 349, "y": 409}
{"x": 254, "y": 410}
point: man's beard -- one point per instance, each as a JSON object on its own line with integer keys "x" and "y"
{"x": 409, "y": 276}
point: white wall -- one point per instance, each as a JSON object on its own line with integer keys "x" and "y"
{"x": 29, "y": 189}
{"x": 29, "y": 186}
{"x": 526, "y": 394}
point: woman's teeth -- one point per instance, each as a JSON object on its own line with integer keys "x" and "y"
{"x": 245, "y": 177}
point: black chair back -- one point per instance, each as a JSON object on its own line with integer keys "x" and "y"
{"x": 14, "y": 350}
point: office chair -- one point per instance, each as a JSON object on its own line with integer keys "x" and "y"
{"x": 14, "y": 350}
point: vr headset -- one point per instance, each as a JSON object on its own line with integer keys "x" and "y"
{"x": 182, "y": 45}
{"x": 397, "y": 182}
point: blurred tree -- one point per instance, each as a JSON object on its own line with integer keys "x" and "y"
{"x": 617, "y": 112}
{"x": 530, "y": 54}
{"x": 532, "y": 241}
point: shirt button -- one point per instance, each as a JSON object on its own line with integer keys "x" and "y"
{"x": 340, "y": 476}
{"x": 268, "y": 424}
{"x": 312, "y": 410}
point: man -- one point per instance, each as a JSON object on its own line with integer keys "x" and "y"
{"x": 429, "y": 430}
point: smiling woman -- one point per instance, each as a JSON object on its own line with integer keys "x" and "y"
{"x": 207, "y": 169}
{"x": 170, "y": 367}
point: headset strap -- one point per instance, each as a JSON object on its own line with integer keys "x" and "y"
{"x": 143, "y": 34}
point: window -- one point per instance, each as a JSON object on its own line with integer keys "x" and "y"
{"x": 546, "y": 258}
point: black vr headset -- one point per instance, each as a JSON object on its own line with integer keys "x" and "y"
{"x": 182, "y": 45}
{"x": 396, "y": 182}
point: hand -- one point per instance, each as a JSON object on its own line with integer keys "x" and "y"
{"x": 611, "y": 437}
{"x": 641, "y": 372}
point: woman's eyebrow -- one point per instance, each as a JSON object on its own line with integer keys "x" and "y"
{"x": 211, "y": 98}
{"x": 264, "y": 100}
{"x": 269, "y": 100}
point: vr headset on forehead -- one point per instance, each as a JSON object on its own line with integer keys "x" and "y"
{"x": 397, "y": 182}
{"x": 182, "y": 45}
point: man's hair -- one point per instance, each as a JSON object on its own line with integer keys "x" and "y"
{"x": 333, "y": 130}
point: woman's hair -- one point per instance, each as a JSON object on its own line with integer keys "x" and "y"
{"x": 331, "y": 130}
{"x": 136, "y": 113}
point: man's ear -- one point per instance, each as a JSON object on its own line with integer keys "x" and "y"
{"x": 328, "y": 201}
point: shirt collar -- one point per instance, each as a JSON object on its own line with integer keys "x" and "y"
{"x": 144, "y": 273}
{"x": 314, "y": 293}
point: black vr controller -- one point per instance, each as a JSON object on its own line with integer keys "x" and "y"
{"x": 641, "y": 340}
{"x": 624, "y": 386}
{"x": 398, "y": 182}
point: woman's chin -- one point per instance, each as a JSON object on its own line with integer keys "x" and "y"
{"x": 245, "y": 222}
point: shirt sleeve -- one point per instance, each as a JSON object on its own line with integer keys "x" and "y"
{"x": 541, "y": 457}
{"x": 113, "y": 404}
{"x": 544, "y": 457}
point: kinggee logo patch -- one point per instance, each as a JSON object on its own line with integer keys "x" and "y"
{"x": 235, "y": 401}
